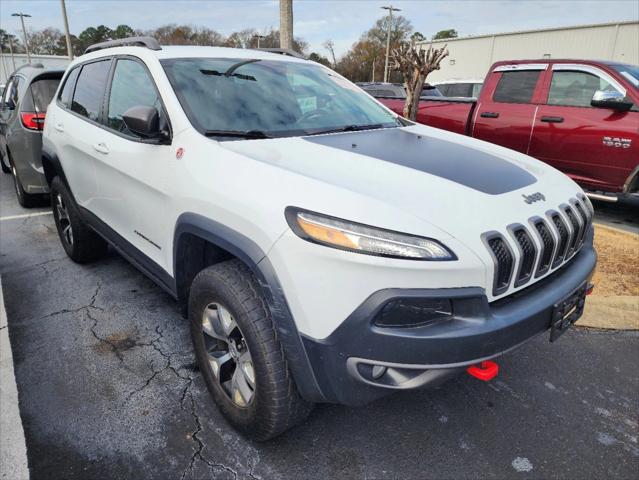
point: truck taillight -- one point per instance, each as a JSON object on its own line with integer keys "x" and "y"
{"x": 32, "y": 120}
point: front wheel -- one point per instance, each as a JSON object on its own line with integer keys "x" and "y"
{"x": 240, "y": 357}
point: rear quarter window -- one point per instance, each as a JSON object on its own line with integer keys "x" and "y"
{"x": 516, "y": 87}
{"x": 66, "y": 94}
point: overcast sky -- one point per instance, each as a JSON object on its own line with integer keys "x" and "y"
{"x": 342, "y": 21}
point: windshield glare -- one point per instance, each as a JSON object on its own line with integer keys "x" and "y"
{"x": 630, "y": 72}
{"x": 279, "y": 98}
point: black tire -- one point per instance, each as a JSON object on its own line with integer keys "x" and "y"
{"x": 276, "y": 404}
{"x": 26, "y": 200}
{"x": 81, "y": 243}
{"x": 6, "y": 168}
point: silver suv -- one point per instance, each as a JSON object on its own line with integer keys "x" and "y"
{"x": 22, "y": 112}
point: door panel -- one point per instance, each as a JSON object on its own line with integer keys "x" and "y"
{"x": 506, "y": 115}
{"x": 597, "y": 147}
{"x": 134, "y": 173}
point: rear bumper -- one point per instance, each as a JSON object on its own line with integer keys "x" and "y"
{"x": 427, "y": 355}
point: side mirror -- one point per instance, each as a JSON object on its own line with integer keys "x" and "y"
{"x": 143, "y": 121}
{"x": 9, "y": 104}
{"x": 610, "y": 99}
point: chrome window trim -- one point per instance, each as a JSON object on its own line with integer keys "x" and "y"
{"x": 521, "y": 66}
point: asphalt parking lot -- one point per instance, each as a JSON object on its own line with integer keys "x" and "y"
{"x": 108, "y": 389}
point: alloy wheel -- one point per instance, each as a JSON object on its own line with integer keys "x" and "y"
{"x": 63, "y": 219}
{"x": 228, "y": 354}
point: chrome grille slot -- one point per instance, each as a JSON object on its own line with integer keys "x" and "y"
{"x": 548, "y": 247}
{"x": 576, "y": 230}
{"x": 585, "y": 222}
{"x": 562, "y": 231}
{"x": 527, "y": 252}
{"x": 504, "y": 261}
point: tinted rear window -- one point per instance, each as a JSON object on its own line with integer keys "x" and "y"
{"x": 516, "y": 87}
{"x": 67, "y": 89}
{"x": 89, "y": 89}
{"x": 39, "y": 95}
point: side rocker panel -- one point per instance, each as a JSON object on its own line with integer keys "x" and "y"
{"x": 250, "y": 253}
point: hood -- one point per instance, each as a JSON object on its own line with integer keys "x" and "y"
{"x": 453, "y": 182}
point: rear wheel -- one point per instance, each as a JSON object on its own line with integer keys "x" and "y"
{"x": 239, "y": 354}
{"x": 4, "y": 163}
{"x": 26, "y": 200}
{"x": 81, "y": 243}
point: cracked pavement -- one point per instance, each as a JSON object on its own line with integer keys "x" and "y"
{"x": 108, "y": 388}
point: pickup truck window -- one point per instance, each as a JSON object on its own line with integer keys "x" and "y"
{"x": 275, "y": 98}
{"x": 516, "y": 86}
{"x": 575, "y": 89}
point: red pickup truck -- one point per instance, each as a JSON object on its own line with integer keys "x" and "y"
{"x": 582, "y": 117}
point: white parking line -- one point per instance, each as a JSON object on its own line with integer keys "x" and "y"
{"x": 26, "y": 215}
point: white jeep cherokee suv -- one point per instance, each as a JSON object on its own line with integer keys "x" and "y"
{"x": 323, "y": 248}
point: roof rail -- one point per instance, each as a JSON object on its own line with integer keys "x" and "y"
{"x": 148, "y": 42}
{"x": 283, "y": 51}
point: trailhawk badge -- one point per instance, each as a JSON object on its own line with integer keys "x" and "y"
{"x": 534, "y": 197}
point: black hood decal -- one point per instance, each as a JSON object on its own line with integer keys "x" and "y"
{"x": 473, "y": 168}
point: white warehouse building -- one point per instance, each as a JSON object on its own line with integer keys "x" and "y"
{"x": 9, "y": 63}
{"x": 471, "y": 57}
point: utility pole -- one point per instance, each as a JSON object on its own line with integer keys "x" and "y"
{"x": 373, "y": 80}
{"x": 259, "y": 37}
{"x": 286, "y": 24}
{"x": 24, "y": 32}
{"x": 13, "y": 60}
{"x": 66, "y": 30}
{"x": 390, "y": 9}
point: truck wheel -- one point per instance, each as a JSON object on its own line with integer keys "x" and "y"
{"x": 81, "y": 243}
{"x": 239, "y": 354}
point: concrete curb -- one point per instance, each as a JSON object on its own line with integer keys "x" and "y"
{"x": 13, "y": 449}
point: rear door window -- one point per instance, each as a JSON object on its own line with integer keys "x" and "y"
{"x": 89, "y": 89}
{"x": 39, "y": 95}
{"x": 516, "y": 86}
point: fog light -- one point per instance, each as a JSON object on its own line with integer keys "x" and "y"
{"x": 414, "y": 312}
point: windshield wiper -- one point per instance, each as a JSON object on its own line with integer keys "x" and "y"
{"x": 349, "y": 128}
{"x": 250, "y": 134}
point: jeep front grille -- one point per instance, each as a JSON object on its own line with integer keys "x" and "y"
{"x": 527, "y": 252}
{"x": 564, "y": 237}
{"x": 504, "y": 261}
{"x": 544, "y": 245}
{"x": 547, "y": 245}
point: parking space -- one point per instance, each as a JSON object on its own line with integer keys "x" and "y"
{"x": 108, "y": 389}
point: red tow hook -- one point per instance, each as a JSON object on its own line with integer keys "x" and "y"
{"x": 486, "y": 370}
{"x": 589, "y": 288}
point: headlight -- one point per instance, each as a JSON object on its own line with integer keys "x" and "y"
{"x": 355, "y": 237}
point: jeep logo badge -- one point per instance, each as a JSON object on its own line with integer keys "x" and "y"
{"x": 534, "y": 197}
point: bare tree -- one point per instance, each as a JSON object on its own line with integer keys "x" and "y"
{"x": 286, "y": 24}
{"x": 330, "y": 46}
{"x": 415, "y": 64}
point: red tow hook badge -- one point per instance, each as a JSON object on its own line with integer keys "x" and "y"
{"x": 486, "y": 370}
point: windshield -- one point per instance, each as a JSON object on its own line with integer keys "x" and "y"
{"x": 274, "y": 98}
{"x": 629, "y": 72}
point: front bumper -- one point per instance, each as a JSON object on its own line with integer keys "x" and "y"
{"x": 426, "y": 355}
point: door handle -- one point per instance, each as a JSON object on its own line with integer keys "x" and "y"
{"x": 101, "y": 148}
{"x": 489, "y": 115}
{"x": 59, "y": 127}
{"x": 552, "y": 119}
